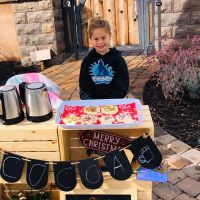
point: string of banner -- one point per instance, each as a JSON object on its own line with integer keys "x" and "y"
{"x": 116, "y": 162}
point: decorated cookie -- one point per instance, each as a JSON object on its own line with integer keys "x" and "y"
{"x": 91, "y": 109}
{"x": 111, "y": 110}
{"x": 107, "y": 119}
{"x": 88, "y": 119}
{"x": 125, "y": 118}
{"x": 71, "y": 120}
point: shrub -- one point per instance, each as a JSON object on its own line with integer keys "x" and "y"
{"x": 179, "y": 70}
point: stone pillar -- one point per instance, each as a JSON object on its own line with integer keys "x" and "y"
{"x": 179, "y": 18}
{"x": 39, "y": 26}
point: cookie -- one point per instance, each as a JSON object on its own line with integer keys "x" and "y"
{"x": 91, "y": 109}
{"x": 71, "y": 120}
{"x": 111, "y": 110}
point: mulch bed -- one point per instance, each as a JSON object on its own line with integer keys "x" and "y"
{"x": 180, "y": 119}
{"x": 9, "y": 69}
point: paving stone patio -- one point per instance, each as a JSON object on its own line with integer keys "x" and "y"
{"x": 183, "y": 161}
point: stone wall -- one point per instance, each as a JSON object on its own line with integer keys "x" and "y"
{"x": 179, "y": 18}
{"x": 39, "y": 26}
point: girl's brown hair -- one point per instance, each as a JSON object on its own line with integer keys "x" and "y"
{"x": 98, "y": 22}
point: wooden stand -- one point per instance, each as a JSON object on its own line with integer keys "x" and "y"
{"x": 47, "y": 141}
{"x": 71, "y": 149}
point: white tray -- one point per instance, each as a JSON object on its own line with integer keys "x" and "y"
{"x": 102, "y": 102}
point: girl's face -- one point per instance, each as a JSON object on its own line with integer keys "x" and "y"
{"x": 100, "y": 40}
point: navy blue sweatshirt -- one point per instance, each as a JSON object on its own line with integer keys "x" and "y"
{"x": 103, "y": 76}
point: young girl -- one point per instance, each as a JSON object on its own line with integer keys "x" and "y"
{"x": 104, "y": 73}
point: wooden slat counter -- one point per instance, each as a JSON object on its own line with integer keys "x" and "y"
{"x": 47, "y": 141}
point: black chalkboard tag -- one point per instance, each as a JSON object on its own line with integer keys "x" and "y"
{"x": 146, "y": 152}
{"x": 37, "y": 174}
{"x": 97, "y": 197}
{"x": 158, "y": 3}
{"x": 90, "y": 173}
{"x": 118, "y": 165}
{"x": 65, "y": 175}
{"x": 11, "y": 167}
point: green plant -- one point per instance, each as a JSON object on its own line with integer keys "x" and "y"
{"x": 179, "y": 70}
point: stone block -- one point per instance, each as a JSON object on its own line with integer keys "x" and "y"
{"x": 43, "y": 39}
{"x": 189, "y": 186}
{"x": 40, "y": 16}
{"x": 44, "y": 5}
{"x": 195, "y": 17}
{"x": 20, "y": 18}
{"x": 61, "y": 47}
{"x": 166, "y": 153}
{"x": 60, "y": 36}
{"x": 198, "y": 197}
{"x": 25, "y": 50}
{"x": 28, "y": 29}
{"x": 24, "y": 7}
{"x": 175, "y": 176}
{"x": 171, "y": 19}
{"x": 48, "y": 27}
{"x": 25, "y": 40}
{"x": 193, "y": 155}
{"x": 26, "y": 61}
{"x": 166, "y": 191}
{"x": 182, "y": 5}
{"x": 165, "y": 30}
{"x": 184, "y": 197}
{"x": 178, "y": 147}
{"x": 56, "y": 4}
{"x": 185, "y": 5}
{"x": 167, "y": 6}
{"x": 154, "y": 197}
{"x": 59, "y": 26}
{"x": 57, "y": 14}
{"x": 176, "y": 162}
{"x": 165, "y": 139}
{"x": 192, "y": 171}
{"x": 184, "y": 31}
{"x": 159, "y": 131}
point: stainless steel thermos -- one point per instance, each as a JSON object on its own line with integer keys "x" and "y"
{"x": 11, "y": 111}
{"x": 36, "y": 99}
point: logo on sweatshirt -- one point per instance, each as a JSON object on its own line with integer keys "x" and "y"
{"x": 101, "y": 73}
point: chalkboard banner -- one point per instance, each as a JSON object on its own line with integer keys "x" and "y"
{"x": 98, "y": 197}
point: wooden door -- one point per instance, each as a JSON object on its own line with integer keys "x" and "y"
{"x": 122, "y": 16}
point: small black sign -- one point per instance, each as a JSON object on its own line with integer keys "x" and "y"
{"x": 98, "y": 197}
{"x": 67, "y": 4}
{"x": 158, "y": 3}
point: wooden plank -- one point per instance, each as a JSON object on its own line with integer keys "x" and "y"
{"x": 121, "y": 22}
{"x": 26, "y": 125}
{"x": 30, "y": 146}
{"x": 86, "y": 15}
{"x": 109, "y": 14}
{"x": 28, "y": 135}
{"x": 48, "y": 156}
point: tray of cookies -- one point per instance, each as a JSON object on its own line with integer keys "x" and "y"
{"x": 99, "y": 114}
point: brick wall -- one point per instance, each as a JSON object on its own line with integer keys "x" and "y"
{"x": 179, "y": 18}
{"x": 39, "y": 26}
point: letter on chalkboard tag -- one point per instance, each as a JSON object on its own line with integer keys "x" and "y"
{"x": 37, "y": 174}
{"x": 90, "y": 173}
{"x": 118, "y": 165}
{"x": 11, "y": 167}
{"x": 65, "y": 175}
{"x": 146, "y": 152}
